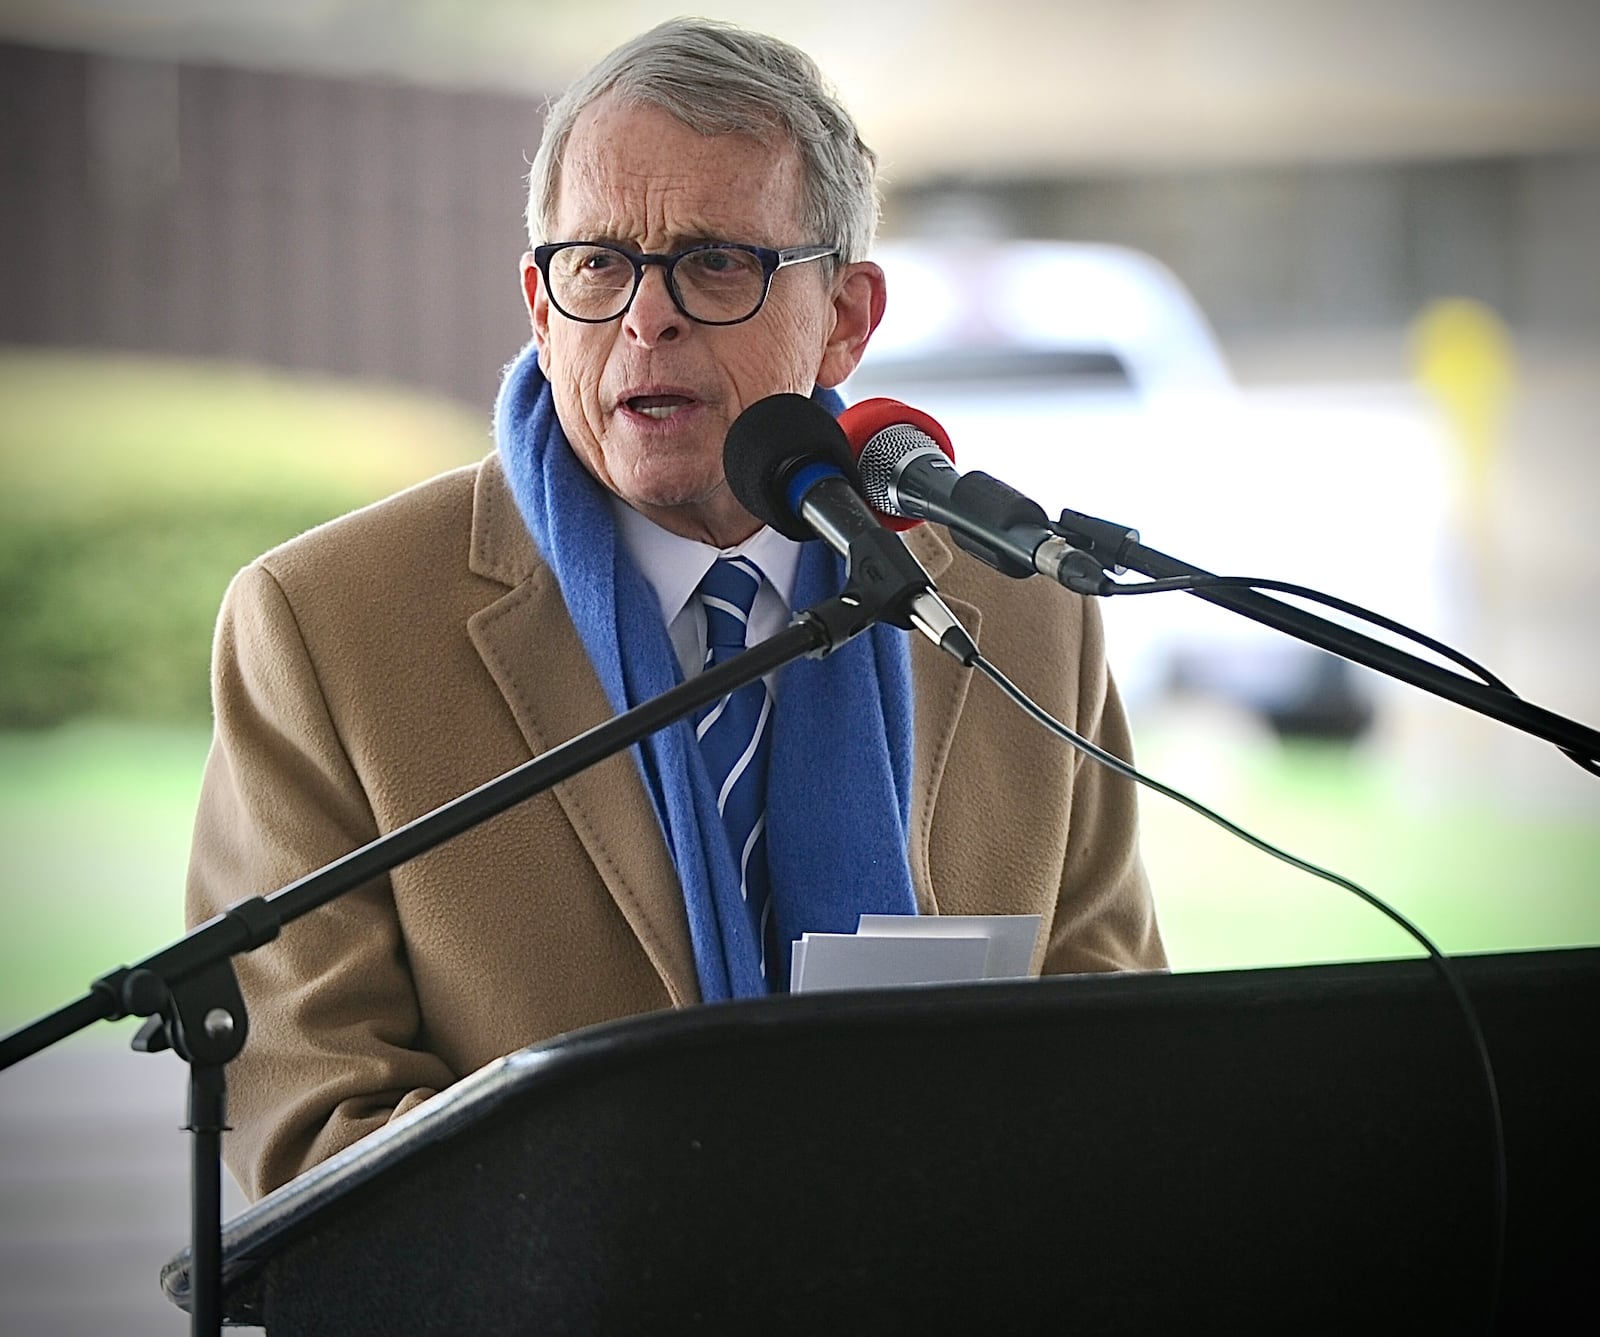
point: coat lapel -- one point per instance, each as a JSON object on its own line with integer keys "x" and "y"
{"x": 940, "y": 691}
{"x": 940, "y": 688}
{"x": 555, "y": 695}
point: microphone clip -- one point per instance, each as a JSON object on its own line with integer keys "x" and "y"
{"x": 883, "y": 581}
{"x": 882, "y": 578}
{"x": 1104, "y": 540}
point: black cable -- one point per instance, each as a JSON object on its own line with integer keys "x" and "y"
{"x": 1111, "y": 587}
{"x": 1438, "y": 959}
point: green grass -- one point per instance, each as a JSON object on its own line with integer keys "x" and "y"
{"x": 94, "y": 825}
{"x": 95, "y": 819}
{"x": 1475, "y": 874}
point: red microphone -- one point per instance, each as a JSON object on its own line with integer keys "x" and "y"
{"x": 872, "y": 419}
{"x": 908, "y": 473}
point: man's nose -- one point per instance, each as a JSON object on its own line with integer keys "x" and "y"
{"x": 653, "y": 317}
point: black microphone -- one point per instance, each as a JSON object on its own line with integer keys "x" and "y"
{"x": 907, "y": 470}
{"x": 790, "y": 465}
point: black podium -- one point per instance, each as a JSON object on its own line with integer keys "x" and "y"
{"x": 1302, "y": 1150}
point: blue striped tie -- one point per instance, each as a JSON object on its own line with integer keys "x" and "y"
{"x": 735, "y": 735}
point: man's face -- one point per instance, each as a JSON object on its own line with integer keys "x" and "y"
{"x": 646, "y": 401}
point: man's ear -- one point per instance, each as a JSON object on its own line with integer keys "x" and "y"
{"x": 859, "y": 297}
{"x": 533, "y": 296}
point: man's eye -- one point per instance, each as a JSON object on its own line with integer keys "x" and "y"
{"x": 723, "y": 264}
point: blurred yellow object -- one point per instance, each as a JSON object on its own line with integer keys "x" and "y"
{"x": 1462, "y": 355}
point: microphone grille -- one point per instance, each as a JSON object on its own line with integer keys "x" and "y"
{"x": 880, "y": 456}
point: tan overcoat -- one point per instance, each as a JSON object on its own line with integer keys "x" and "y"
{"x": 387, "y": 662}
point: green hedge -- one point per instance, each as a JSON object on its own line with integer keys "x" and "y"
{"x": 131, "y": 490}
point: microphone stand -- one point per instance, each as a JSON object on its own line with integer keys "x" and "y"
{"x": 1112, "y": 547}
{"x": 188, "y": 989}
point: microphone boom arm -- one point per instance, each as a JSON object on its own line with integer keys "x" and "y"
{"x": 1104, "y": 544}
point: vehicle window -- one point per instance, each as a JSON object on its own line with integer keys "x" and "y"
{"x": 967, "y": 368}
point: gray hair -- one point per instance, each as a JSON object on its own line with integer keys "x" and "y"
{"x": 720, "y": 79}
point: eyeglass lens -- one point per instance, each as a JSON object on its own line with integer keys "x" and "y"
{"x": 714, "y": 283}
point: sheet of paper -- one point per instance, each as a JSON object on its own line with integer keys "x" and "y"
{"x": 1011, "y": 937}
{"x": 849, "y": 961}
{"x": 797, "y": 963}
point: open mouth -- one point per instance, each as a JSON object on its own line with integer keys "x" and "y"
{"x": 657, "y": 406}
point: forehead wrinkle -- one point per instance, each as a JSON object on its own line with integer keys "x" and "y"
{"x": 612, "y": 191}
{"x": 657, "y": 213}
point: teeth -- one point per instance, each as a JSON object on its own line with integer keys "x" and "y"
{"x": 659, "y": 410}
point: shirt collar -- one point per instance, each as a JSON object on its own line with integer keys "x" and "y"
{"x": 675, "y": 565}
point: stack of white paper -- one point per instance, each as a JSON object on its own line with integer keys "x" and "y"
{"x": 915, "y": 949}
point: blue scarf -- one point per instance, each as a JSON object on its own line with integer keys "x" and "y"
{"x": 839, "y": 787}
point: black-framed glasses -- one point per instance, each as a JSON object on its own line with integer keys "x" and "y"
{"x": 718, "y": 283}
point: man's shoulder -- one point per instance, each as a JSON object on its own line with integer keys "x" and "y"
{"x": 462, "y": 522}
{"x": 377, "y": 582}
{"x": 427, "y": 512}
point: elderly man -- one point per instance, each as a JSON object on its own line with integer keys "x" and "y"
{"x": 702, "y": 209}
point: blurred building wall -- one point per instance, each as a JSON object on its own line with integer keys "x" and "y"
{"x": 361, "y": 229}
{"x": 371, "y": 229}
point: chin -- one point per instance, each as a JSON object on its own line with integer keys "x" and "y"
{"x": 677, "y": 487}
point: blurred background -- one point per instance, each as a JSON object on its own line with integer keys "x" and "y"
{"x": 1299, "y": 290}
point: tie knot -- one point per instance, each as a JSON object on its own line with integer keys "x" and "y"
{"x": 728, "y": 592}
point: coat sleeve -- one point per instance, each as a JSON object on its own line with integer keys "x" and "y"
{"x": 334, "y": 1047}
{"x": 1105, "y": 917}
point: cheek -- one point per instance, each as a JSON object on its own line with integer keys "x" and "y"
{"x": 573, "y": 366}
{"x": 789, "y": 357}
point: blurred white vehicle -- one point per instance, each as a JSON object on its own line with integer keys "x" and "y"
{"x": 1086, "y": 377}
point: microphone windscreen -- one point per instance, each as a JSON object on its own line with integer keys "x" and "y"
{"x": 769, "y": 443}
{"x": 891, "y": 430}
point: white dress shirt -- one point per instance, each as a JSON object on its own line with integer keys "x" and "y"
{"x": 675, "y": 566}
